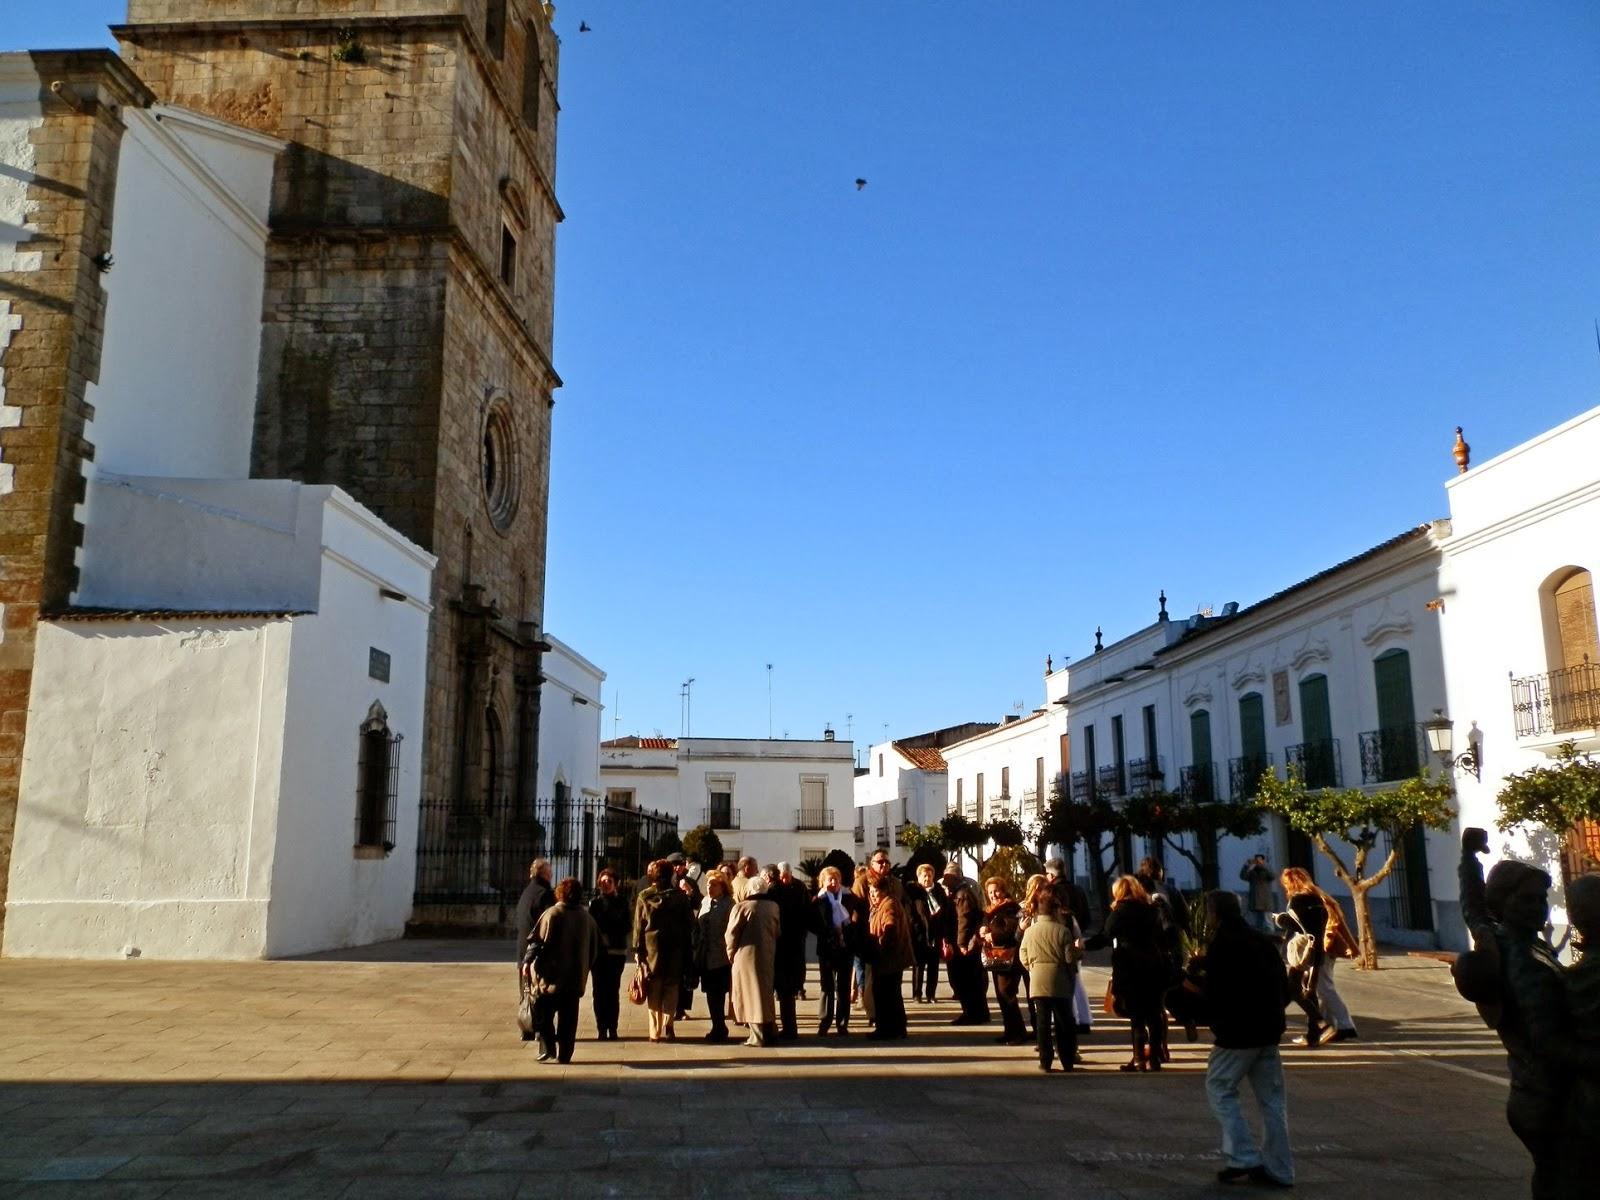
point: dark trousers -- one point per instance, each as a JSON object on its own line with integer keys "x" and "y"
{"x": 1057, "y": 1029}
{"x": 925, "y": 973}
{"x": 968, "y": 983}
{"x": 1537, "y": 1124}
{"x": 555, "y": 1019}
{"x": 606, "y": 980}
{"x": 1006, "y": 987}
{"x": 716, "y": 982}
{"x": 836, "y": 980}
{"x": 888, "y": 1005}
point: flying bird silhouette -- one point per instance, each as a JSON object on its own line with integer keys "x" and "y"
{"x": 583, "y": 27}
{"x": 860, "y": 183}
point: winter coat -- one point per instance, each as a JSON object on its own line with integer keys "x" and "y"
{"x": 565, "y": 944}
{"x": 1259, "y": 878}
{"x": 968, "y": 916}
{"x": 752, "y": 944}
{"x": 535, "y": 898}
{"x": 794, "y": 917}
{"x": 1073, "y": 899}
{"x": 711, "y": 948}
{"x": 889, "y": 929}
{"x": 1004, "y": 923}
{"x": 1244, "y": 987}
{"x": 1139, "y": 968}
{"x": 663, "y": 931}
{"x": 611, "y": 914}
{"x": 836, "y": 944}
{"x": 1050, "y": 954}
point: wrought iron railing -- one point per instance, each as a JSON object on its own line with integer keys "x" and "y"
{"x": 480, "y": 856}
{"x": 1146, "y": 775}
{"x": 1031, "y": 809}
{"x": 720, "y": 818}
{"x": 1111, "y": 780}
{"x": 1245, "y": 774}
{"x": 1082, "y": 787}
{"x": 1564, "y": 701}
{"x": 883, "y": 837}
{"x": 1390, "y": 754}
{"x": 813, "y": 818}
{"x": 1317, "y": 762}
{"x": 1197, "y": 783}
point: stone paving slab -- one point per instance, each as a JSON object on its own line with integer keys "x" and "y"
{"x": 396, "y": 1071}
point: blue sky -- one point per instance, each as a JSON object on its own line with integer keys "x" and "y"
{"x": 1137, "y": 297}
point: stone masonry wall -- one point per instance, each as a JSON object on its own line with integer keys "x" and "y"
{"x": 57, "y": 312}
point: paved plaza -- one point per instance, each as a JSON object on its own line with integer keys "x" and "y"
{"x": 397, "y": 1071}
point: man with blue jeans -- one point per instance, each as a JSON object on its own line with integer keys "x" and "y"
{"x": 1244, "y": 988}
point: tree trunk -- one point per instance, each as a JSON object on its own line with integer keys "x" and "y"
{"x": 1368, "y": 959}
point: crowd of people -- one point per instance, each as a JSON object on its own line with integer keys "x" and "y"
{"x": 739, "y": 935}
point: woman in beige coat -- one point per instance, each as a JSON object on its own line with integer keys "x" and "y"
{"x": 752, "y": 943}
{"x": 1050, "y": 952}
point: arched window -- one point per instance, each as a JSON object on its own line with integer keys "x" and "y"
{"x": 377, "y": 781}
{"x": 1567, "y": 605}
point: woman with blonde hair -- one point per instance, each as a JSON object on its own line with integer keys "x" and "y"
{"x": 1138, "y": 970}
{"x": 1318, "y": 937}
{"x": 833, "y": 920}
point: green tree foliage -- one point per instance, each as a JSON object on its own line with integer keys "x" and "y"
{"x": 846, "y": 865}
{"x": 915, "y": 838}
{"x": 1004, "y": 832}
{"x": 1167, "y": 816}
{"x": 1066, "y": 822}
{"x": 1358, "y": 818}
{"x": 667, "y": 843}
{"x": 810, "y": 867}
{"x": 1013, "y": 864}
{"x": 702, "y": 845}
{"x": 1556, "y": 797}
{"x": 956, "y": 832}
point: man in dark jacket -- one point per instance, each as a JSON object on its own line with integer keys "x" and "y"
{"x": 1243, "y": 991}
{"x": 536, "y": 897}
{"x": 789, "y": 968}
{"x": 967, "y": 978}
{"x": 929, "y": 908}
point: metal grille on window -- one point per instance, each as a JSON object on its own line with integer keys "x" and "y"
{"x": 377, "y": 781}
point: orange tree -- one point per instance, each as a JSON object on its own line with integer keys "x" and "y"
{"x": 1357, "y": 817}
{"x": 1166, "y": 816}
{"x": 1560, "y": 798}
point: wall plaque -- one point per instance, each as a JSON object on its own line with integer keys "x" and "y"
{"x": 377, "y": 664}
{"x": 1281, "y": 711}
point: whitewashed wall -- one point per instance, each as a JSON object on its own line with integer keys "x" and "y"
{"x": 177, "y": 382}
{"x": 894, "y": 790}
{"x": 1516, "y": 519}
{"x": 570, "y": 715}
{"x": 149, "y": 788}
{"x": 1015, "y": 745}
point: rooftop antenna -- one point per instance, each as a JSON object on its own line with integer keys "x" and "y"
{"x": 769, "y": 702}
{"x": 616, "y": 712}
{"x": 686, "y": 705}
{"x": 850, "y": 726}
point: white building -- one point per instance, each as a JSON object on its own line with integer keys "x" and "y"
{"x": 223, "y": 745}
{"x": 569, "y": 725}
{"x": 902, "y": 785}
{"x": 780, "y": 800}
{"x": 1518, "y": 619}
{"x": 1007, "y": 772}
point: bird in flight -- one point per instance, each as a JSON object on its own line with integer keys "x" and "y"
{"x": 860, "y": 183}
{"x": 583, "y": 27}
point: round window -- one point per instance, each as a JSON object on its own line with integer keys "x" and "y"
{"x": 498, "y": 465}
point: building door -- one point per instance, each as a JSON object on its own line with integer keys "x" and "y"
{"x": 1202, "y": 790}
{"x": 1410, "y": 895}
{"x": 1316, "y": 761}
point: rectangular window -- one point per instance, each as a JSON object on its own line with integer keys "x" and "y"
{"x": 1150, "y": 733}
{"x": 977, "y": 795}
{"x": 1038, "y": 780}
{"x": 494, "y": 26}
{"x": 1119, "y": 744}
{"x": 508, "y": 256}
{"x": 958, "y": 794}
{"x": 1005, "y": 781}
{"x": 532, "y": 79}
{"x": 880, "y": 765}
{"x": 377, "y": 785}
{"x": 719, "y": 801}
{"x": 619, "y": 797}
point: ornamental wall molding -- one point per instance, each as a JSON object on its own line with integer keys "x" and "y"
{"x": 1388, "y": 623}
{"x": 1311, "y": 651}
{"x": 1250, "y": 672}
{"x": 1198, "y": 693}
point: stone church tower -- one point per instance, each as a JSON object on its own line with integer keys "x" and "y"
{"x": 406, "y": 333}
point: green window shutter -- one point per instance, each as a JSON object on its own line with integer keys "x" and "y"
{"x": 1316, "y": 722}
{"x": 1392, "y": 673}
{"x": 1252, "y": 726}
{"x": 1200, "y": 738}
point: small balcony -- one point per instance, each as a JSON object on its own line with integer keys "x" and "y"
{"x": 1245, "y": 774}
{"x": 1317, "y": 762}
{"x": 1031, "y": 809}
{"x": 1391, "y": 754}
{"x": 1197, "y": 783}
{"x": 813, "y": 818}
{"x": 720, "y": 818}
{"x": 1082, "y": 787}
{"x": 1557, "y": 702}
{"x": 883, "y": 837}
{"x": 1111, "y": 780}
{"x": 1146, "y": 775}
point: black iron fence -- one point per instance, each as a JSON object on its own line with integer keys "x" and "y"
{"x": 1390, "y": 754}
{"x": 1083, "y": 789}
{"x": 1564, "y": 701}
{"x": 479, "y": 855}
{"x": 813, "y": 818}
{"x": 1146, "y": 775}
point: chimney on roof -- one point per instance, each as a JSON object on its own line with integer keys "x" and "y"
{"x": 827, "y": 733}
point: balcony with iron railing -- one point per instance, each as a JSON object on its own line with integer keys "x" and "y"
{"x": 1557, "y": 702}
{"x": 1146, "y": 775}
{"x": 1245, "y": 774}
{"x": 1031, "y": 809}
{"x": 883, "y": 837}
{"x": 901, "y": 829}
{"x": 1111, "y": 780}
{"x": 1197, "y": 783}
{"x": 1317, "y": 762}
{"x": 719, "y": 817}
{"x": 813, "y": 818}
{"x": 1391, "y": 754}
{"x": 861, "y": 833}
{"x": 1082, "y": 787}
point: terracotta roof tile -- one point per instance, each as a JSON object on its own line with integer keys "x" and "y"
{"x": 924, "y": 758}
{"x": 633, "y": 741}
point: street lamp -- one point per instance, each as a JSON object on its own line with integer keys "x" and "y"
{"x": 1441, "y": 742}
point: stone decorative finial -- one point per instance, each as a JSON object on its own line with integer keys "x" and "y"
{"x": 1048, "y": 664}
{"x": 1097, "y": 635}
{"x": 1462, "y": 452}
{"x": 1162, "y": 615}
